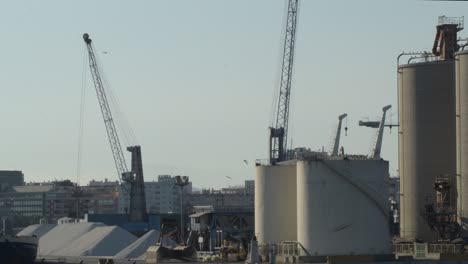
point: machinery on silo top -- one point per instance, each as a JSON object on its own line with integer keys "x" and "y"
{"x": 445, "y": 42}
{"x": 441, "y": 216}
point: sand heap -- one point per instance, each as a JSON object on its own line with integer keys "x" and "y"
{"x": 36, "y": 230}
{"x": 62, "y": 235}
{"x": 92, "y": 239}
{"x": 138, "y": 248}
{"x": 101, "y": 241}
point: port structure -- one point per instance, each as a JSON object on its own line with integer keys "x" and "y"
{"x": 445, "y": 42}
{"x": 133, "y": 178}
{"x": 441, "y": 216}
{"x": 181, "y": 182}
{"x": 336, "y": 141}
{"x": 376, "y": 147}
{"x": 279, "y": 132}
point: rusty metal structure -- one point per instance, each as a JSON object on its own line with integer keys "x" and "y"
{"x": 441, "y": 216}
{"x": 445, "y": 42}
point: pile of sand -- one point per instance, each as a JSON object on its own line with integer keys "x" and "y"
{"x": 62, "y": 235}
{"x": 92, "y": 239}
{"x": 138, "y": 248}
{"x": 36, "y": 230}
{"x": 101, "y": 241}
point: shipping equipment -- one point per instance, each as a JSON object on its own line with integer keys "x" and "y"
{"x": 279, "y": 132}
{"x": 442, "y": 215}
{"x": 336, "y": 141}
{"x": 132, "y": 181}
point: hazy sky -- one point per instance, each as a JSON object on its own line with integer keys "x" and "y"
{"x": 196, "y": 80}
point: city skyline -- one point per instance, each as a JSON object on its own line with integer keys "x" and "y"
{"x": 196, "y": 80}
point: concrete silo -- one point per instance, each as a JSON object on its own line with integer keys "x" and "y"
{"x": 275, "y": 202}
{"x": 461, "y": 83}
{"x": 427, "y": 144}
{"x": 343, "y": 206}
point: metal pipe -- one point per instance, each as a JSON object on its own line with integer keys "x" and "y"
{"x": 182, "y": 213}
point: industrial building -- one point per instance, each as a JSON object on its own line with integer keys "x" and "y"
{"x": 163, "y": 195}
{"x": 217, "y": 215}
{"x": 326, "y": 203}
{"x": 54, "y": 200}
{"x": 10, "y": 178}
{"x": 394, "y": 199}
{"x": 225, "y": 198}
{"x": 427, "y": 112}
{"x": 432, "y": 138}
{"x": 461, "y": 73}
{"x": 316, "y": 203}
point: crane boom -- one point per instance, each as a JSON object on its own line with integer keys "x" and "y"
{"x": 112, "y": 135}
{"x": 378, "y": 142}
{"x": 278, "y": 133}
{"x": 134, "y": 178}
{"x": 336, "y": 143}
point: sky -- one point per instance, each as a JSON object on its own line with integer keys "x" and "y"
{"x": 196, "y": 80}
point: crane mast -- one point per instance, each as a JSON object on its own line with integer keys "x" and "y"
{"x": 278, "y": 133}
{"x": 134, "y": 178}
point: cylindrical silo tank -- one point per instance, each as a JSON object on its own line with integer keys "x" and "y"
{"x": 275, "y": 202}
{"x": 343, "y": 207}
{"x": 427, "y": 146}
{"x": 461, "y": 84}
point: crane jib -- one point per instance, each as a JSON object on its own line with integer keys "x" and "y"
{"x": 134, "y": 178}
{"x": 114, "y": 141}
{"x": 278, "y": 134}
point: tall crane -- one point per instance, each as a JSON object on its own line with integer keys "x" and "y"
{"x": 378, "y": 142}
{"x": 336, "y": 142}
{"x": 279, "y": 132}
{"x": 133, "y": 178}
{"x": 380, "y": 125}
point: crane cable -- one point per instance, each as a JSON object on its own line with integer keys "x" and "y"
{"x": 121, "y": 120}
{"x": 81, "y": 119}
{"x": 277, "y": 81}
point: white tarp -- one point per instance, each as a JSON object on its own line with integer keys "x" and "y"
{"x": 37, "y": 230}
{"x": 62, "y": 235}
{"x": 137, "y": 250}
{"x": 101, "y": 241}
{"x": 139, "y": 247}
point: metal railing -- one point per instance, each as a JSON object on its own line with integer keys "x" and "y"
{"x": 409, "y": 248}
{"x": 262, "y": 162}
{"x": 459, "y": 21}
{"x": 288, "y": 249}
{"x": 284, "y": 249}
{"x": 444, "y": 248}
{"x": 403, "y": 249}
